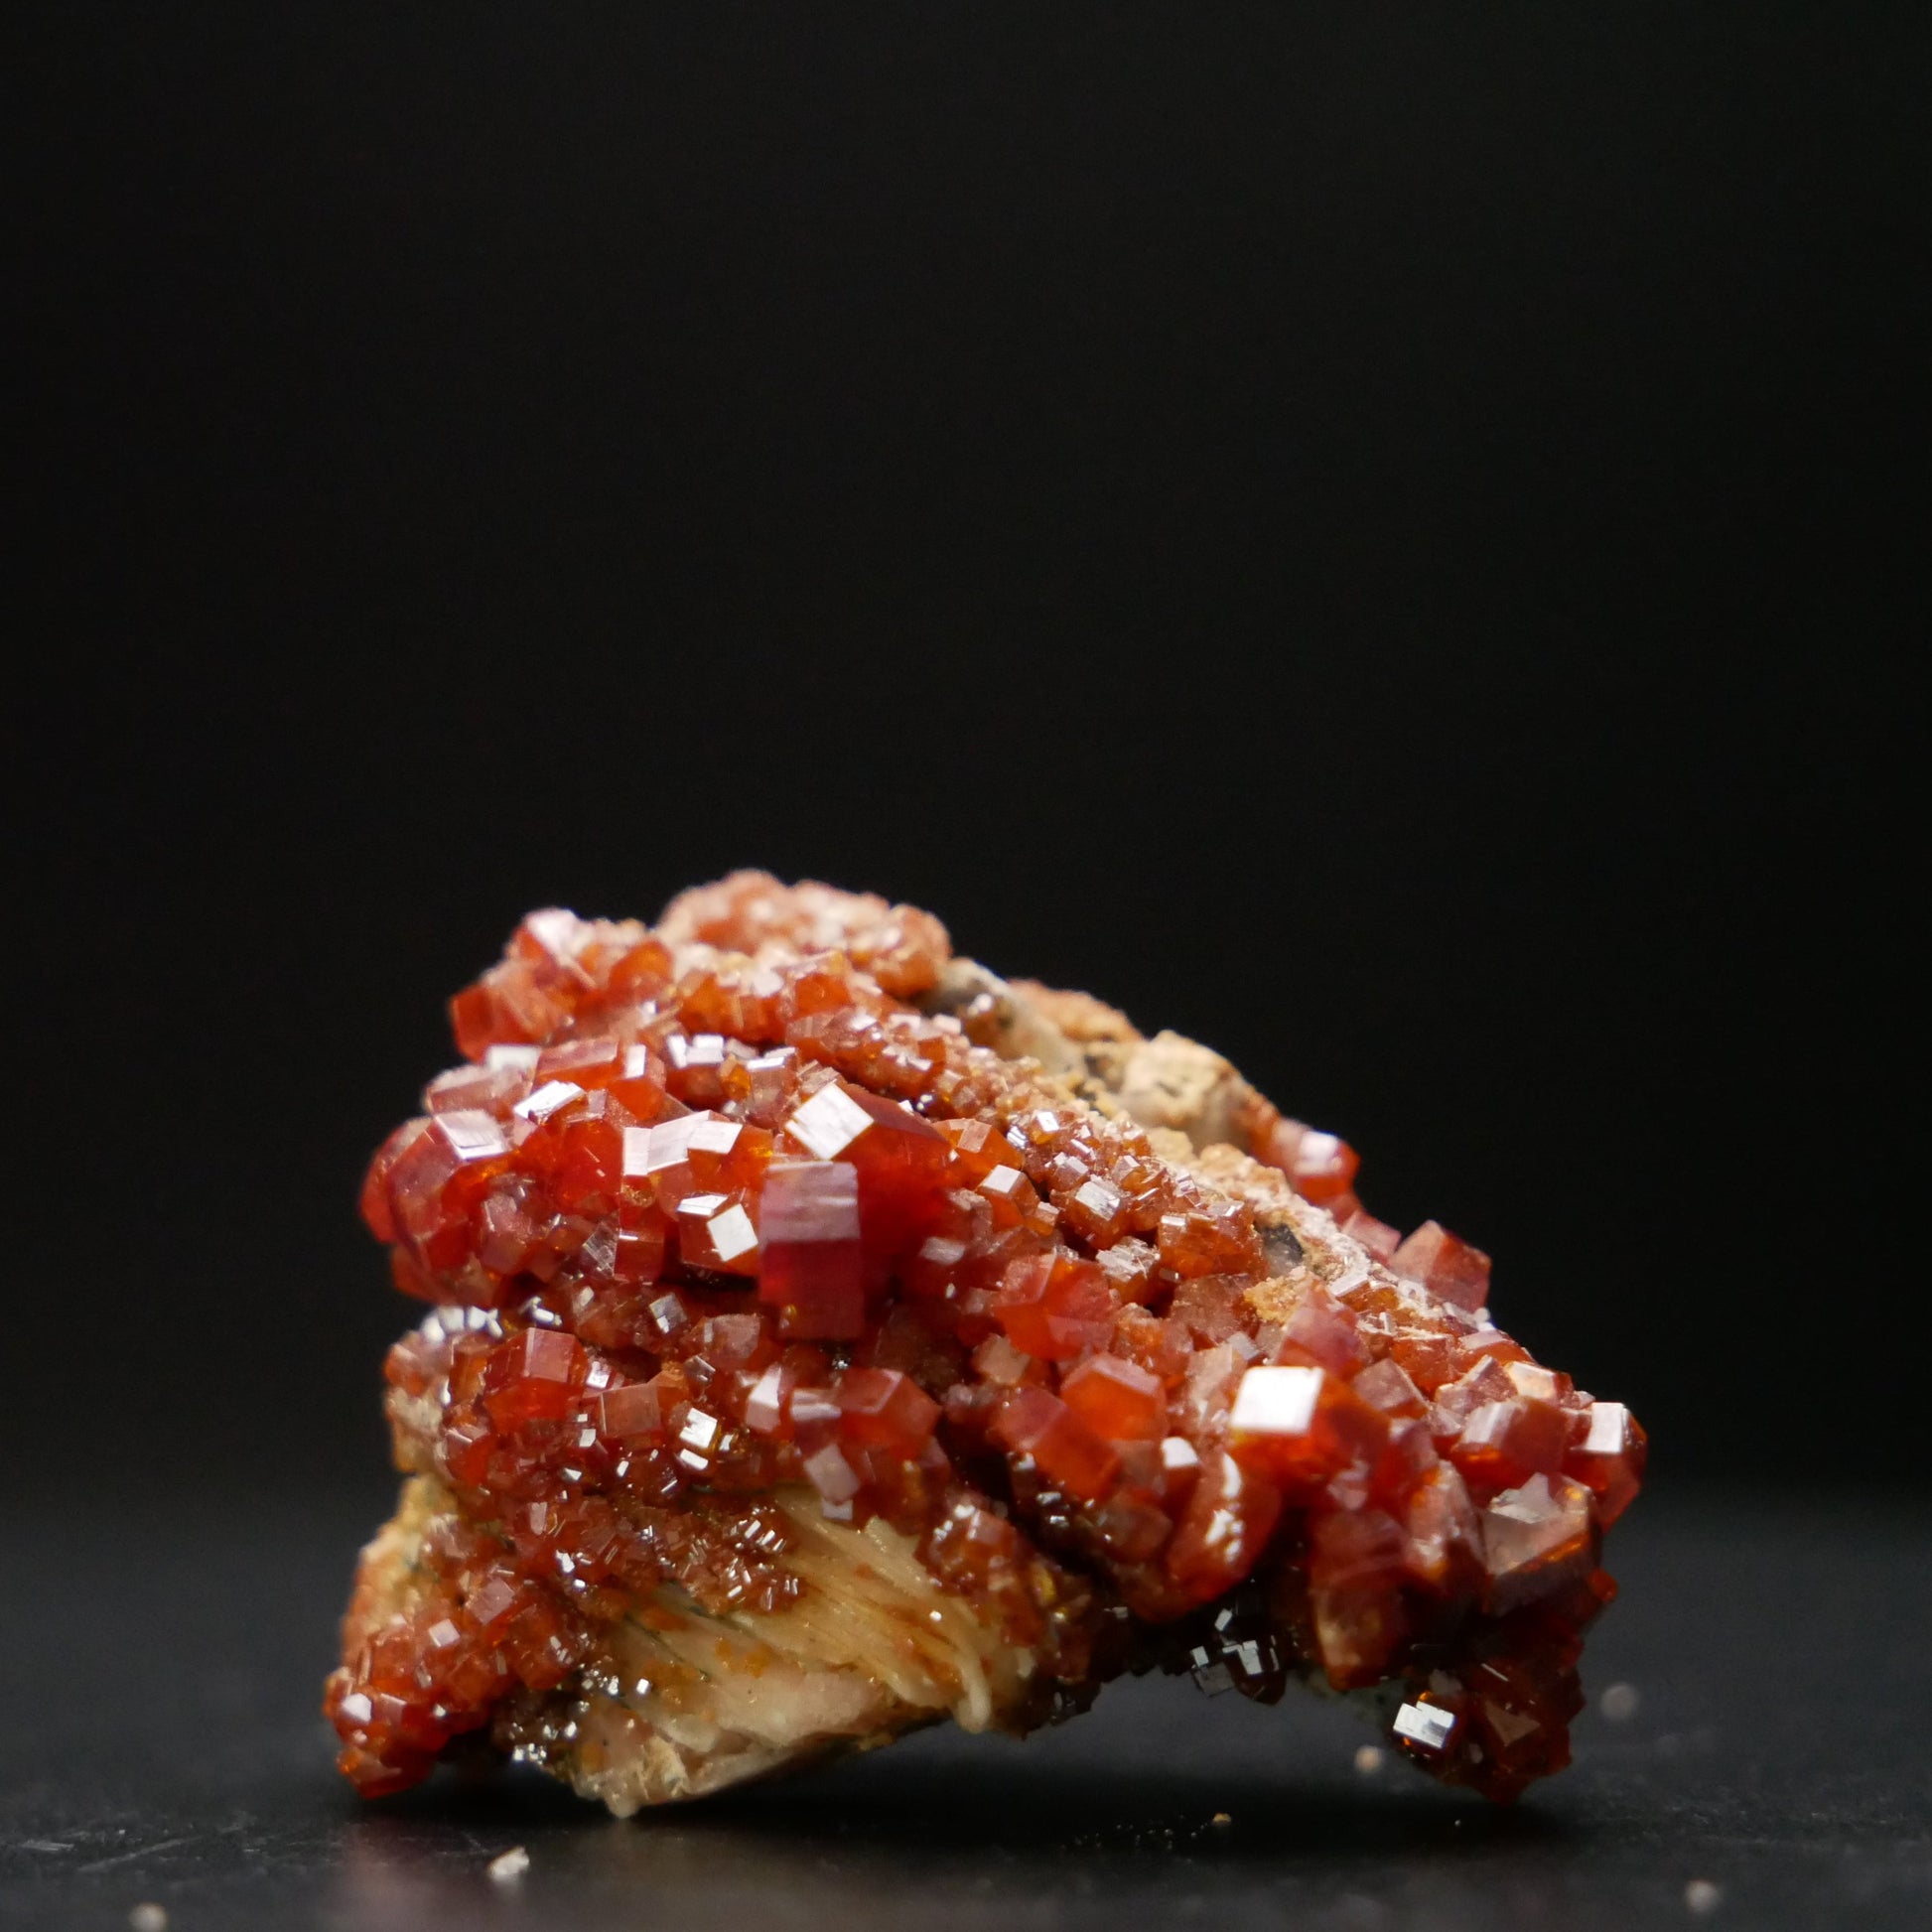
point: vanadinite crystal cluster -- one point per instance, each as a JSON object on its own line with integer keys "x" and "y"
{"x": 827, "y": 1336}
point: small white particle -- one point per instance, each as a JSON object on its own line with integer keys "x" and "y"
{"x": 731, "y": 1234}
{"x": 1427, "y": 1725}
{"x": 1368, "y": 1759}
{"x": 1275, "y": 1402}
{"x": 149, "y": 1918}
{"x": 1609, "y": 1429}
{"x": 832, "y": 1475}
{"x": 1702, "y": 1897}
{"x": 828, "y": 1123}
{"x": 1532, "y": 1380}
{"x": 509, "y": 1867}
{"x": 547, "y": 1100}
{"x": 1620, "y": 1703}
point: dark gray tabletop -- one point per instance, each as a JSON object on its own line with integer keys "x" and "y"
{"x": 161, "y": 1663}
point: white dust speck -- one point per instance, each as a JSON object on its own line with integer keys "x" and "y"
{"x": 1702, "y": 1897}
{"x": 1620, "y": 1703}
{"x": 509, "y": 1867}
{"x": 1368, "y": 1759}
{"x": 149, "y": 1917}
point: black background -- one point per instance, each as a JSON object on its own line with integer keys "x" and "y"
{"x": 1387, "y": 541}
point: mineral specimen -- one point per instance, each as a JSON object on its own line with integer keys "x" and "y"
{"x": 829, "y": 1337}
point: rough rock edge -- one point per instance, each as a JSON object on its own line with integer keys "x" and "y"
{"x": 1189, "y": 1100}
{"x": 697, "y": 1700}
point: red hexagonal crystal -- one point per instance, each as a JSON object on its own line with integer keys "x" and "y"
{"x": 1055, "y": 1307}
{"x": 1067, "y": 1452}
{"x": 1117, "y": 1397}
{"x": 1446, "y": 1265}
{"x": 883, "y": 1409}
{"x": 811, "y": 1264}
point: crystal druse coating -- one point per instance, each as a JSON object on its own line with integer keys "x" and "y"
{"x": 828, "y": 1336}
